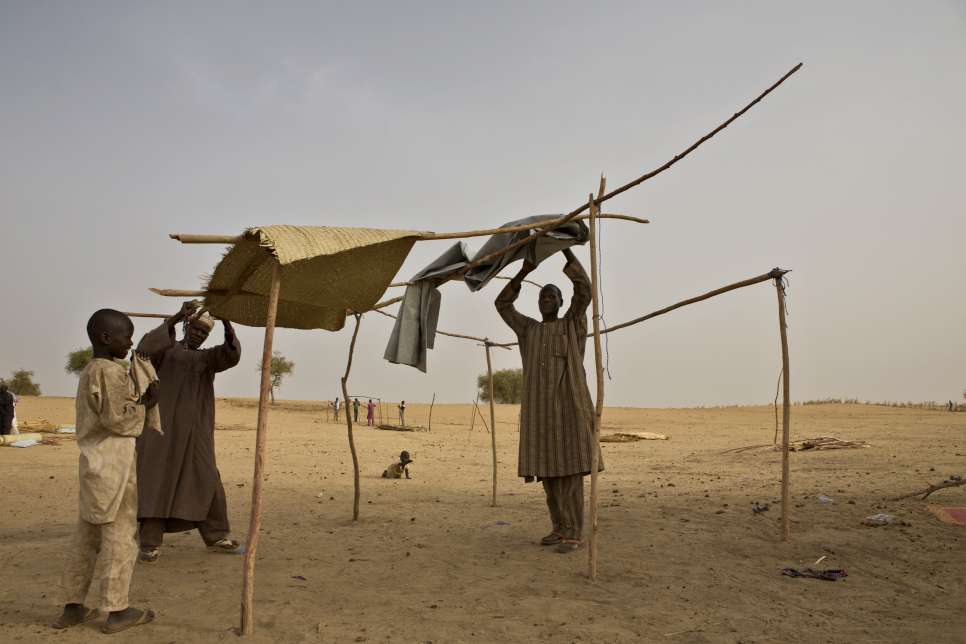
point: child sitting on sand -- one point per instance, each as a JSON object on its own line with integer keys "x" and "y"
{"x": 396, "y": 470}
{"x": 110, "y": 415}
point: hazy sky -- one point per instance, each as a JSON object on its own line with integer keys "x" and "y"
{"x": 123, "y": 122}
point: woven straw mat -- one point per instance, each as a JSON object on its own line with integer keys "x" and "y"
{"x": 324, "y": 272}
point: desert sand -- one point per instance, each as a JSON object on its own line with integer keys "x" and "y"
{"x": 683, "y": 558}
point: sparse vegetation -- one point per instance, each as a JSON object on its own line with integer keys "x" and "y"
{"x": 278, "y": 368}
{"x": 22, "y": 383}
{"x": 507, "y": 386}
{"x": 78, "y": 360}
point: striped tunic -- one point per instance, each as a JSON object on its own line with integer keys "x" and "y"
{"x": 557, "y": 415}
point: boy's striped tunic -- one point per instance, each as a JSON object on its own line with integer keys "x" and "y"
{"x": 556, "y": 415}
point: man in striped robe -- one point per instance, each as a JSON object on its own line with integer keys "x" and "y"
{"x": 556, "y": 416}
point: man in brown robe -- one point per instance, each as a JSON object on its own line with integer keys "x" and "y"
{"x": 556, "y": 415}
{"x": 179, "y": 485}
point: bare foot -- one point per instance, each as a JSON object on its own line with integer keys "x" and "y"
{"x": 121, "y": 620}
{"x": 73, "y": 615}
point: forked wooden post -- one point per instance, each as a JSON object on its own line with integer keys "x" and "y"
{"x": 489, "y": 375}
{"x": 599, "y": 362}
{"x": 348, "y": 421}
{"x": 786, "y": 409}
{"x": 261, "y": 439}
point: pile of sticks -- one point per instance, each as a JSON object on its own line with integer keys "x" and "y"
{"x": 825, "y": 442}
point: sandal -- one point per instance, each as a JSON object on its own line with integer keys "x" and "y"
{"x": 145, "y": 617}
{"x": 229, "y": 546}
{"x": 551, "y": 539}
{"x": 567, "y": 546}
{"x": 66, "y": 622}
{"x": 149, "y": 555}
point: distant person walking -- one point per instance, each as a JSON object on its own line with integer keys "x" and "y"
{"x": 402, "y": 413}
{"x": 355, "y": 410}
{"x": 335, "y": 409}
{"x": 370, "y": 413}
{"x": 6, "y": 410}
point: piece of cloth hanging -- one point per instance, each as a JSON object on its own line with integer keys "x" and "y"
{"x": 143, "y": 374}
{"x": 415, "y": 329}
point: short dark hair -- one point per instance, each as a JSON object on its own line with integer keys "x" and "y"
{"x": 104, "y": 319}
{"x": 557, "y": 289}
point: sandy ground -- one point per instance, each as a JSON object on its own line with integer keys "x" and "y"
{"x": 683, "y": 558}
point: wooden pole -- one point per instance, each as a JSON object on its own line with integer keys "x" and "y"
{"x": 520, "y": 228}
{"x": 482, "y": 420}
{"x": 473, "y": 414}
{"x": 489, "y": 375}
{"x": 772, "y": 274}
{"x": 187, "y": 238}
{"x": 433, "y": 402}
{"x": 599, "y": 362}
{"x": 207, "y": 239}
{"x": 786, "y": 410}
{"x": 550, "y": 225}
{"x": 261, "y": 440}
{"x": 348, "y": 422}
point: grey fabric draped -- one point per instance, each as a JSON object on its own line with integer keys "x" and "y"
{"x": 415, "y": 328}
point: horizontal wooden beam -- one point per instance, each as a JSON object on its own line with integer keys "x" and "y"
{"x": 187, "y": 238}
{"x": 206, "y": 239}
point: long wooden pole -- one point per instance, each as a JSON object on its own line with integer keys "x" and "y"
{"x": 772, "y": 274}
{"x": 786, "y": 411}
{"x": 261, "y": 441}
{"x": 348, "y": 422}
{"x": 489, "y": 375}
{"x": 599, "y": 363}
{"x": 188, "y": 238}
{"x": 519, "y": 228}
{"x": 229, "y": 239}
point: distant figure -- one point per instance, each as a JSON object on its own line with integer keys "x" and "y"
{"x": 398, "y": 470}
{"x": 335, "y": 408}
{"x": 557, "y": 415}
{"x": 110, "y": 414}
{"x": 14, "y": 429}
{"x": 355, "y": 410}
{"x": 6, "y": 410}
{"x": 951, "y": 406}
{"x": 402, "y": 413}
{"x": 179, "y": 486}
{"x": 370, "y": 413}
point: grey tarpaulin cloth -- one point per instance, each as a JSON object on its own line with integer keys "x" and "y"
{"x": 415, "y": 328}
{"x": 143, "y": 374}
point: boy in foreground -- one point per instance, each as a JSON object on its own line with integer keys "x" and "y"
{"x": 110, "y": 415}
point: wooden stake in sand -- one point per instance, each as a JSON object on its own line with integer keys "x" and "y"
{"x": 599, "y": 362}
{"x": 786, "y": 409}
{"x": 261, "y": 439}
{"x": 348, "y": 422}
{"x": 489, "y": 375}
{"x": 432, "y": 402}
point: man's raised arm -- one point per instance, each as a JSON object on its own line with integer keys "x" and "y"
{"x": 504, "y": 301}
{"x": 581, "y": 282}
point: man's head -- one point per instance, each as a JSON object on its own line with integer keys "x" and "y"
{"x": 550, "y": 300}
{"x": 110, "y": 333}
{"x": 197, "y": 328}
{"x": 404, "y": 458}
{"x": 3, "y": 387}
